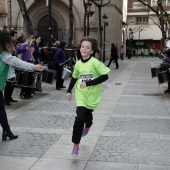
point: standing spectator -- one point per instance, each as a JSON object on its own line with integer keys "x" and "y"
{"x": 118, "y": 49}
{"x": 113, "y": 56}
{"x": 6, "y": 59}
{"x": 134, "y": 52}
{"x": 151, "y": 52}
{"x": 122, "y": 53}
{"x": 59, "y": 59}
{"x": 36, "y": 49}
{"x": 88, "y": 75}
{"x": 128, "y": 53}
{"x": 142, "y": 52}
{"x": 21, "y": 38}
{"x": 9, "y": 87}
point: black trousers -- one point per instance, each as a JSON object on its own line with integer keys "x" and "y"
{"x": 84, "y": 118}
{"x": 59, "y": 72}
{"x": 3, "y": 116}
{"x": 9, "y": 87}
{"x": 116, "y": 62}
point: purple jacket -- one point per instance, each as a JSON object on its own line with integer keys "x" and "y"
{"x": 60, "y": 56}
{"x": 26, "y": 54}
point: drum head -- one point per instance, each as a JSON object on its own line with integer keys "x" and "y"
{"x": 168, "y": 44}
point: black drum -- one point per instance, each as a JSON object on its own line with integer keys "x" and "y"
{"x": 48, "y": 75}
{"x": 163, "y": 77}
{"x": 25, "y": 78}
{"x": 155, "y": 71}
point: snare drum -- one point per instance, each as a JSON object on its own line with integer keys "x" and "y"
{"x": 25, "y": 78}
{"x": 163, "y": 77}
{"x": 48, "y": 75}
{"x": 66, "y": 73}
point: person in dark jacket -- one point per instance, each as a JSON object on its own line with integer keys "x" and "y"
{"x": 59, "y": 59}
{"x": 21, "y": 38}
{"x": 113, "y": 56}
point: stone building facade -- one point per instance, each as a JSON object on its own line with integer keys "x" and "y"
{"x": 11, "y": 16}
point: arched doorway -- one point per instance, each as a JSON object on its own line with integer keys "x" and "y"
{"x": 43, "y": 26}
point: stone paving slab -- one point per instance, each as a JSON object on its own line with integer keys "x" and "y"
{"x": 134, "y": 125}
{"x": 109, "y": 166}
{"x": 142, "y": 82}
{"x": 58, "y": 164}
{"x": 136, "y": 87}
{"x": 153, "y": 167}
{"x": 132, "y": 150}
{"x": 145, "y": 92}
{"x": 142, "y": 100}
{"x": 17, "y": 163}
{"x": 28, "y": 144}
{"x": 55, "y": 106}
{"x": 43, "y": 121}
{"x": 140, "y": 110}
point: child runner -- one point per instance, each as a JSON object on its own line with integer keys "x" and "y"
{"x": 6, "y": 59}
{"x": 88, "y": 75}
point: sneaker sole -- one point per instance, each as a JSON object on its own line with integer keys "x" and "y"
{"x": 74, "y": 155}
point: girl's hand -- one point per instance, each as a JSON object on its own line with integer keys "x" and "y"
{"x": 82, "y": 85}
{"x": 69, "y": 96}
{"x": 39, "y": 67}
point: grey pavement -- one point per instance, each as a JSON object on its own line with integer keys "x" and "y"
{"x": 131, "y": 129}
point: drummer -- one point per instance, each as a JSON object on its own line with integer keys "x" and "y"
{"x": 6, "y": 59}
{"x": 59, "y": 59}
{"x": 25, "y": 50}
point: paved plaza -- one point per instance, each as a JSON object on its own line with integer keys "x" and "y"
{"x": 131, "y": 129}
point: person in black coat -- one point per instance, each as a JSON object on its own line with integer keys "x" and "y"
{"x": 113, "y": 56}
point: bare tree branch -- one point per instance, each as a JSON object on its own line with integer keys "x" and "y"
{"x": 155, "y": 22}
{"x": 141, "y": 1}
{"x": 26, "y": 18}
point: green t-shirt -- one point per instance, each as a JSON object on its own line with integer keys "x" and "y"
{"x": 4, "y": 68}
{"x": 88, "y": 97}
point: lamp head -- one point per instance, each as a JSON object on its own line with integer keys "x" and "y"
{"x": 105, "y": 18}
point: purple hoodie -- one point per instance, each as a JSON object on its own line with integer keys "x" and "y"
{"x": 26, "y": 54}
{"x": 60, "y": 56}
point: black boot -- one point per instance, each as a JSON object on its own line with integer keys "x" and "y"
{"x": 9, "y": 134}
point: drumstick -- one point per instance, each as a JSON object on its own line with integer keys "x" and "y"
{"x": 30, "y": 43}
{"x": 65, "y": 61}
{"x": 163, "y": 55}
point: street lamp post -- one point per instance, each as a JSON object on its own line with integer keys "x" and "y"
{"x": 104, "y": 37}
{"x": 48, "y": 4}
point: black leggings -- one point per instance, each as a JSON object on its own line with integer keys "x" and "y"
{"x": 9, "y": 87}
{"x": 3, "y": 116}
{"x": 84, "y": 117}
